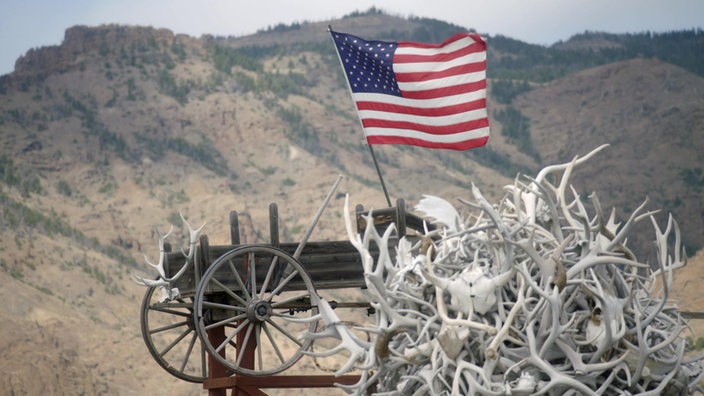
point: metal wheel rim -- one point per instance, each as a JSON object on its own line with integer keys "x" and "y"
{"x": 174, "y": 344}
{"x": 263, "y": 330}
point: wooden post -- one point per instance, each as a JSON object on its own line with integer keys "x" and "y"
{"x": 215, "y": 369}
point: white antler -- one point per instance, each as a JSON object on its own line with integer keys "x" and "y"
{"x": 538, "y": 294}
{"x": 162, "y": 281}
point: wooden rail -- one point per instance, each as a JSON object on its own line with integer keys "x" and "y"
{"x": 330, "y": 264}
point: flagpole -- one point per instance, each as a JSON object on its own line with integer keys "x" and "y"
{"x": 378, "y": 171}
{"x": 371, "y": 150}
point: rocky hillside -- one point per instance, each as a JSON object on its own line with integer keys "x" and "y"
{"x": 110, "y": 135}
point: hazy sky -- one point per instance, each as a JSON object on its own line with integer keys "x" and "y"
{"x": 26, "y": 24}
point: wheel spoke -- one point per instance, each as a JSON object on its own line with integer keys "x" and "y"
{"x": 169, "y": 311}
{"x": 273, "y": 343}
{"x": 257, "y": 339}
{"x": 269, "y": 274}
{"x": 284, "y": 332}
{"x": 284, "y": 282}
{"x": 225, "y": 321}
{"x": 252, "y": 263}
{"x": 240, "y": 283}
{"x": 229, "y": 292}
{"x": 175, "y": 342}
{"x": 170, "y": 338}
{"x": 168, "y": 327}
{"x": 240, "y": 303}
{"x": 229, "y": 338}
{"x": 210, "y": 304}
{"x": 243, "y": 347}
{"x": 187, "y": 355}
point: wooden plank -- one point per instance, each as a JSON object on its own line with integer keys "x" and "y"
{"x": 280, "y": 381}
{"x": 333, "y": 264}
{"x": 692, "y": 315}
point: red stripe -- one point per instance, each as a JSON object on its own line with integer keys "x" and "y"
{"x": 461, "y": 145}
{"x": 445, "y": 91}
{"x": 426, "y": 112}
{"x": 432, "y": 129}
{"x": 432, "y": 75}
{"x": 441, "y": 57}
{"x": 459, "y": 36}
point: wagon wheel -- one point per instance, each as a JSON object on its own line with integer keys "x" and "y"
{"x": 169, "y": 333}
{"x": 248, "y": 322}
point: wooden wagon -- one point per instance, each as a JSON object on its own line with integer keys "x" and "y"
{"x": 242, "y": 307}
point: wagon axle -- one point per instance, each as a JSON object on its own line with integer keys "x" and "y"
{"x": 258, "y": 311}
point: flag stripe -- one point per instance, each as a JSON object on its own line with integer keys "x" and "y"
{"x": 425, "y": 75}
{"x": 445, "y": 91}
{"x": 451, "y": 44}
{"x": 407, "y": 87}
{"x": 419, "y": 103}
{"x": 432, "y": 120}
{"x": 424, "y": 56}
{"x": 465, "y": 144}
{"x": 388, "y": 134}
{"x": 438, "y": 66}
{"x": 430, "y": 129}
{"x": 436, "y": 111}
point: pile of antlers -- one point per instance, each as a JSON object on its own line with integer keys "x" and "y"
{"x": 534, "y": 295}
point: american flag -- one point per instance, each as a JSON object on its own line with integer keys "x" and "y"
{"x": 429, "y": 95}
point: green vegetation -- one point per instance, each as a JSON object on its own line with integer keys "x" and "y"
{"x": 174, "y": 218}
{"x": 245, "y": 83}
{"x": 539, "y": 64}
{"x": 94, "y": 271}
{"x": 203, "y": 153}
{"x": 16, "y": 215}
{"x": 498, "y": 161}
{"x": 63, "y": 188}
{"x": 504, "y": 91}
{"x": 299, "y": 131}
{"x": 108, "y": 141}
{"x": 283, "y": 85}
{"x": 693, "y": 178}
{"x": 27, "y": 183}
{"x": 169, "y": 86}
{"x": 516, "y": 128}
{"x": 225, "y": 58}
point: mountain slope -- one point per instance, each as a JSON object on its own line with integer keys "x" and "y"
{"x": 651, "y": 114}
{"x": 110, "y": 135}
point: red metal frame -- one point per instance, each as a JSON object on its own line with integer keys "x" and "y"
{"x": 219, "y": 382}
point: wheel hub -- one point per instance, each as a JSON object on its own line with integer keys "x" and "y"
{"x": 258, "y": 310}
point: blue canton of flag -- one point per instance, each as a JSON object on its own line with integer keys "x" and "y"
{"x": 368, "y": 64}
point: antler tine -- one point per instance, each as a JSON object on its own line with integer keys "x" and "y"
{"x": 192, "y": 232}
{"x": 193, "y": 238}
{"x": 162, "y": 252}
{"x": 535, "y": 295}
{"x": 148, "y": 282}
